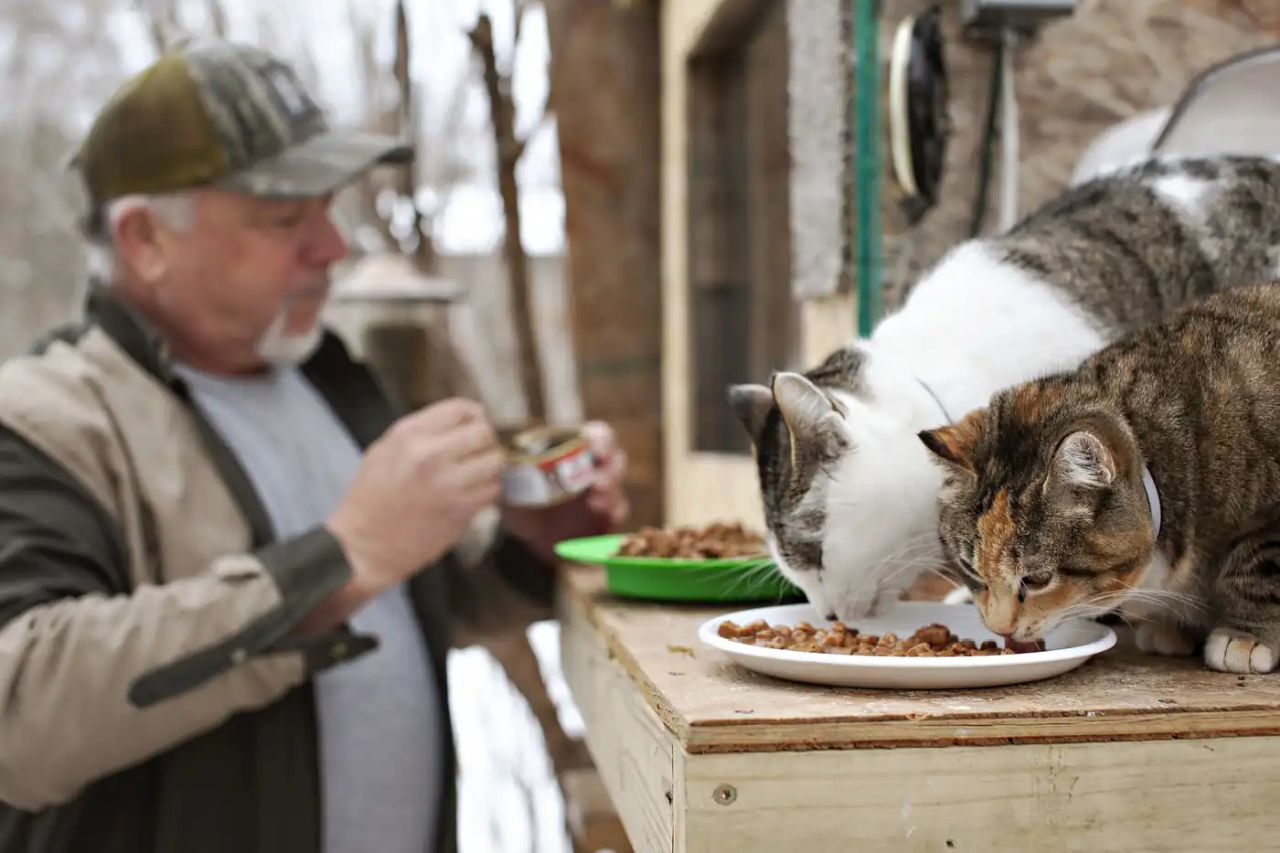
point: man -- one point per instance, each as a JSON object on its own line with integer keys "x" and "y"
{"x": 216, "y": 629}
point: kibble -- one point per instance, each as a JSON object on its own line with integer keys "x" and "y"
{"x": 715, "y": 541}
{"x": 934, "y": 640}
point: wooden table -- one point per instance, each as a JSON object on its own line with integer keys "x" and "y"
{"x": 1128, "y": 752}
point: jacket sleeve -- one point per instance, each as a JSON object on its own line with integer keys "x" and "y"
{"x": 96, "y": 676}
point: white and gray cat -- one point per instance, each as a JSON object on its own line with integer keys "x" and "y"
{"x": 849, "y": 492}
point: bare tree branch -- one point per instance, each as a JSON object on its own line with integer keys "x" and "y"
{"x": 423, "y": 247}
{"x": 218, "y": 16}
{"x": 548, "y": 113}
{"x": 155, "y": 26}
{"x": 400, "y": 67}
{"x": 502, "y": 116}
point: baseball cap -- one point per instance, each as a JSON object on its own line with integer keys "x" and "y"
{"x": 218, "y": 114}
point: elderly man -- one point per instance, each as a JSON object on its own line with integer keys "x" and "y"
{"x": 227, "y": 567}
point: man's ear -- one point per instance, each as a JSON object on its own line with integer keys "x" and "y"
{"x": 136, "y": 234}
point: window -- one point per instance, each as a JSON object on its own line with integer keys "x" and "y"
{"x": 743, "y": 319}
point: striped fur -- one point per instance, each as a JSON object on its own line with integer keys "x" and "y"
{"x": 1045, "y": 507}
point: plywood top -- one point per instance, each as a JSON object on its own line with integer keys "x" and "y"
{"x": 712, "y": 705}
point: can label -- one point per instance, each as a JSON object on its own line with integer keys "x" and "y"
{"x": 554, "y": 475}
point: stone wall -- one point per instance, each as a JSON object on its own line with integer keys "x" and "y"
{"x": 1074, "y": 79}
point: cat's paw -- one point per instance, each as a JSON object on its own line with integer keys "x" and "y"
{"x": 1165, "y": 638}
{"x": 1236, "y": 651}
{"x": 959, "y": 595}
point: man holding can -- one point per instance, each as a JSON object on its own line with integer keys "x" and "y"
{"x": 228, "y": 565}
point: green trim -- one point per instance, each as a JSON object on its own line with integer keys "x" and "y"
{"x": 866, "y": 186}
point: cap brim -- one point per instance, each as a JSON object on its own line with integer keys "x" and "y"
{"x": 319, "y": 166}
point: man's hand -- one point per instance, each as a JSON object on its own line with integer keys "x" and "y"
{"x": 603, "y": 508}
{"x": 414, "y": 496}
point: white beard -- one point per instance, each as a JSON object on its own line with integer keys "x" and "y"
{"x": 279, "y": 348}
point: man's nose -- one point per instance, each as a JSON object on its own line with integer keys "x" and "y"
{"x": 326, "y": 244}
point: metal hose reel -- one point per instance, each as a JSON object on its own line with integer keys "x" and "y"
{"x": 918, "y": 123}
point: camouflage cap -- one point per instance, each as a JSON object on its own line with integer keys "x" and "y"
{"x": 222, "y": 115}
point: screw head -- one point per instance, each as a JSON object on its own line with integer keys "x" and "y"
{"x": 724, "y": 795}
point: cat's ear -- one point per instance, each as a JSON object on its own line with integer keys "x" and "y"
{"x": 1082, "y": 461}
{"x": 810, "y": 414}
{"x": 802, "y": 404}
{"x": 954, "y": 444}
{"x": 752, "y": 404}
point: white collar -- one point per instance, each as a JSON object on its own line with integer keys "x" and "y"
{"x": 1153, "y": 501}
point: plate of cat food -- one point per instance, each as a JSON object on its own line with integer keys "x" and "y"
{"x": 717, "y": 562}
{"x": 912, "y": 646}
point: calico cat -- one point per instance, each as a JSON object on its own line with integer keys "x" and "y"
{"x": 850, "y": 494}
{"x": 1149, "y": 477}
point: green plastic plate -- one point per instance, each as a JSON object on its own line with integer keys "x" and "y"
{"x": 739, "y": 579}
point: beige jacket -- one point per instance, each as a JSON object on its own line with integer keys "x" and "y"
{"x": 142, "y": 600}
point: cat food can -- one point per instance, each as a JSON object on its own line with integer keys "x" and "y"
{"x": 548, "y": 466}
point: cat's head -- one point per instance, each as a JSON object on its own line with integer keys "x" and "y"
{"x": 1043, "y": 508}
{"x": 849, "y": 494}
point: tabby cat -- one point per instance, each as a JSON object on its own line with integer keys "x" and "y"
{"x": 1149, "y": 478}
{"x": 850, "y": 494}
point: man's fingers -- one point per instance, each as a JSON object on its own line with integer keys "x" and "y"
{"x": 601, "y": 439}
{"x": 481, "y": 472}
{"x": 463, "y": 442}
{"x": 615, "y": 468}
{"x": 444, "y": 415}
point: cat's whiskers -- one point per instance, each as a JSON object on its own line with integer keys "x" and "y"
{"x": 906, "y": 557}
{"x": 1179, "y": 604}
{"x": 749, "y": 573}
{"x": 910, "y": 548}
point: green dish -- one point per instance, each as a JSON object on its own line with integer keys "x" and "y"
{"x": 738, "y": 579}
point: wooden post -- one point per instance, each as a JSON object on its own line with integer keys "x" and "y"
{"x": 605, "y": 89}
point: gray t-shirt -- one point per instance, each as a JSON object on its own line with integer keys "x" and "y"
{"x": 379, "y": 715}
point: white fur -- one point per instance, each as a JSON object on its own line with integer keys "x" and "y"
{"x": 972, "y": 327}
{"x": 1184, "y": 193}
{"x": 1235, "y": 651}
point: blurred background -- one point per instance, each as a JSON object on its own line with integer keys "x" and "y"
{"x": 617, "y": 208}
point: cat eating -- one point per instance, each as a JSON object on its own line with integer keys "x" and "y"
{"x": 850, "y": 494}
{"x": 1148, "y": 479}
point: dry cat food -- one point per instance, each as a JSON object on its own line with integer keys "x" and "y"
{"x": 930, "y": 641}
{"x": 715, "y": 541}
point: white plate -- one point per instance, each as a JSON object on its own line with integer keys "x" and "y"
{"x": 1067, "y": 646}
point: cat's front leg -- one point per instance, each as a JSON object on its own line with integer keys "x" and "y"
{"x": 1161, "y": 637}
{"x": 1246, "y": 602}
{"x": 1229, "y": 650}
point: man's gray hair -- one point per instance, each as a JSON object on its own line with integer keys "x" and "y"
{"x": 176, "y": 209}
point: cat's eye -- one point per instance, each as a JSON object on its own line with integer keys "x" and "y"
{"x": 1033, "y": 583}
